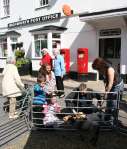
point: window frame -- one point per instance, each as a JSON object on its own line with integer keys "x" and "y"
{"x": 56, "y": 39}
{"x": 44, "y": 37}
{"x": 6, "y": 8}
{"x": 3, "y": 51}
{"x": 39, "y": 39}
{"x": 38, "y": 4}
{"x": 44, "y": 3}
{"x": 110, "y": 51}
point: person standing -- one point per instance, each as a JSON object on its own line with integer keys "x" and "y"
{"x": 50, "y": 78}
{"x": 12, "y": 85}
{"x": 47, "y": 57}
{"x": 113, "y": 83}
{"x": 59, "y": 70}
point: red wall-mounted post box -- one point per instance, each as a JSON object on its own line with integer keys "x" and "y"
{"x": 66, "y": 54}
{"x": 82, "y": 60}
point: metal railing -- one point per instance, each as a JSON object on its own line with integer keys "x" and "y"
{"x": 10, "y": 128}
{"x": 122, "y": 117}
{"x": 94, "y": 108}
{"x": 74, "y": 113}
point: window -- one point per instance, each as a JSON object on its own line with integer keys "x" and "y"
{"x": 56, "y": 42}
{"x": 14, "y": 39}
{"x": 110, "y": 47}
{"x": 6, "y": 7}
{"x": 44, "y": 3}
{"x": 41, "y": 3}
{"x": 40, "y": 42}
{"x": 3, "y": 47}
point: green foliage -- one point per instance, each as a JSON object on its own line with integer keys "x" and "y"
{"x": 22, "y": 61}
{"x": 19, "y": 53}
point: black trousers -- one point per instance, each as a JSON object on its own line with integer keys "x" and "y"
{"x": 59, "y": 85}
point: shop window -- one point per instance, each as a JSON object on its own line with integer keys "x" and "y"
{"x": 16, "y": 46}
{"x": 56, "y": 35}
{"x": 40, "y": 42}
{"x": 56, "y": 40}
{"x": 6, "y": 7}
{"x": 14, "y": 39}
{"x": 3, "y": 47}
{"x": 13, "y": 46}
{"x": 56, "y": 44}
{"x": 110, "y": 48}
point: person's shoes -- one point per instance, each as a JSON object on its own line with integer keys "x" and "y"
{"x": 61, "y": 96}
{"x": 16, "y": 113}
{"x": 13, "y": 117}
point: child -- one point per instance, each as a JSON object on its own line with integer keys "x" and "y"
{"x": 50, "y": 111}
{"x": 38, "y": 100}
{"x": 83, "y": 99}
{"x": 40, "y": 91}
{"x": 83, "y": 96}
{"x": 50, "y": 78}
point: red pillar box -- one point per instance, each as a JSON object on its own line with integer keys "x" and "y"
{"x": 66, "y": 55}
{"x": 82, "y": 60}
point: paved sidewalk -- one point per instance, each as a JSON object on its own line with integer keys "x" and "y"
{"x": 31, "y": 140}
{"x": 69, "y": 83}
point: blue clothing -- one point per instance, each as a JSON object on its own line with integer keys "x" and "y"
{"x": 59, "y": 67}
{"x": 113, "y": 102}
{"x": 39, "y": 95}
{"x": 113, "y": 98}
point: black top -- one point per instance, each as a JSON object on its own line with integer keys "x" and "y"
{"x": 117, "y": 78}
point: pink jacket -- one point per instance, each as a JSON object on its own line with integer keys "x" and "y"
{"x": 55, "y": 105}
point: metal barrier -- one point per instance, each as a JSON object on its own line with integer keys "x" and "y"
{"x": 95, "y": 109}
{"x": 122, "y": 117}
{"x": 74, "y": 113}
{"x": 10, "y": 128}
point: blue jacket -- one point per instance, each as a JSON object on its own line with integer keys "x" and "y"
{"x": 59, "y": 67}
{"x": 39, "y": 95}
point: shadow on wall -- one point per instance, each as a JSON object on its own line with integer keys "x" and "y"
{"x": 52, "y": 3}
{"x": 65, "y": 22}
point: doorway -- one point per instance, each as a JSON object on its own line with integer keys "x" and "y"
{"x": 110, "y": 49}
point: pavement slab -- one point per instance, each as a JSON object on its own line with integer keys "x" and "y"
{"x": 35, "y": 140}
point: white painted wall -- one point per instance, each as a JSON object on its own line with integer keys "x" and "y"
{"x": 26, "y": 8}
{"x": 123, "y": 67}
{"x": 79, "y": 34}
